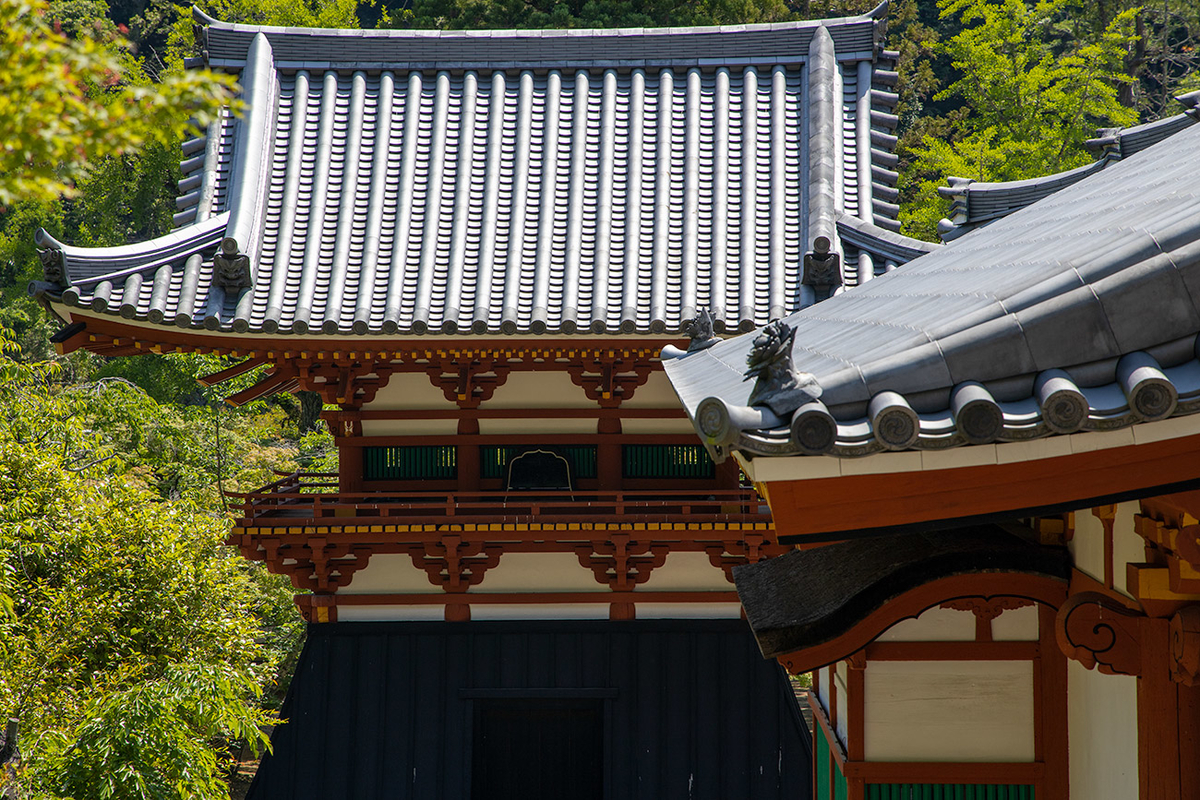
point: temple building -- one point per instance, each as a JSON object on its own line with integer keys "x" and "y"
{"x": 987, "y": 460}
{"x": 476, "y": 247}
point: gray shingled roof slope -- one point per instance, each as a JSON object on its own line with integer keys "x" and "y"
{"x": 1079, "y": 312}
{"x": 411, "y": 182}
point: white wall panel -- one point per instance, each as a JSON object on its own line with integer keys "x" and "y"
{"x": 539, "y": 572}
{"x": 1102, "y": 734}
{"x": 949, "y": 711}
{"x": 933, "y": 625}
{"x": 687, "y": 572}
{"x": 388, "y": 574}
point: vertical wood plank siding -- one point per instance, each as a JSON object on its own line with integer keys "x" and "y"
{"x": 385, "y": 709}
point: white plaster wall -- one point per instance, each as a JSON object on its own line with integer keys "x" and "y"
{"x": 656, "y": 392}
{"x": 822, "y": 687}
{"x": 409, "y": 427}
{"x": 967, "y": 711}
{"x": 489, "y": 611}
{"x": 539, "y": 572}
{"x": 933, "y": 625}
{"x": 1087, "y": 544}
{"x": 387, "y": 574}
{"x": 406, "y": 390}
{"x": 687, "y": 572}
{"x": 433, "y": 611}
{"x": 550, "y": 389}
{"x": 1102, "y": 734}
{"x": 842, "y": 726}
{"x": 1016, "y": 625}
{"x": 485, "y": 611}
{"x": 654, "y": 426}
{"x": 688, "y": 610}
{"x": 535, "y": 424}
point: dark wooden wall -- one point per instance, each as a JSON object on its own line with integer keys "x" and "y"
{"x": 385, "y": 709}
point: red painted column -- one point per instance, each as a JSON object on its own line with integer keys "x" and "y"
{"x": 467, "y": 456}
{"x": 1158, "y": 717}
{"x": 608, "y": 456}
{"x": 1050, "y": 692}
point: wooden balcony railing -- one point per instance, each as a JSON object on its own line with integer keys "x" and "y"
{"x": 312, "y": 498}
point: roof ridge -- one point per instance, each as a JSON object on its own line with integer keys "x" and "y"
{"x": 878, "y": 12}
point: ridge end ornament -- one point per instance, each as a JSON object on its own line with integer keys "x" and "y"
{"x": 822, "y": 268}
{"x": 778, "y": 385}
{"x": 700, "y": 330}
{"x": 54, "y": 266}
{"x": 231, "y": 269}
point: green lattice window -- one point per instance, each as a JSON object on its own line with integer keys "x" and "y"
{"x": 494, "y": 458}
{"x": 667, "y": 461}
{"x": 421, "y": 462}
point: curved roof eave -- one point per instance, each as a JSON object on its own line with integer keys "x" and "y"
{"x": 1076, "y": 313}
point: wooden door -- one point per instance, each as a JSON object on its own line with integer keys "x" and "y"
{"x": 538, "y": 749}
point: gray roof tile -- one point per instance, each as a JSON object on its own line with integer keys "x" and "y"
{"x": 1095, "y": 283}
{"x": 529, "y": 192}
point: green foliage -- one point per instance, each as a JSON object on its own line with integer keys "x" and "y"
{"x": 295, "y": 13}
{"x": 66, "y": 101}
{"x": 151, "y": 740}
{"x": 134, "y": 646}
{"x": 1031, "y": 96}
{"x": 461, "y": 14}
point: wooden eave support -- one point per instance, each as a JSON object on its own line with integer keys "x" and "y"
{"x": 70, "y": 338}
{"x": 277, "y": 382}
{"x": 985, "y": 586}
{"x": 229, "y": 373}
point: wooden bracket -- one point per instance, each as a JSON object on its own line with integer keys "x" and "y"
{"x": 468, "y": 384}
{"x": 620, "y": 562}
{"x": 610, "y": 381}
{"x": 1184, "y": 631}
{"x": 1099, "y": 632}
{"x": 1176, "y": 542}
{"x": 345, "y": 382}
{"x": 453, "y": 564}
{"x": 793, "y": 664}
{"x": 315, "y": 565}
{"x": 985, "y": 610}
{"x": 751, "y": 549}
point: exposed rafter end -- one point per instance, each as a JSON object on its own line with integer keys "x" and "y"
{"x": 70, "y": 338}
{"x": 272, "y": 384}
{"x": 230, "y": 373}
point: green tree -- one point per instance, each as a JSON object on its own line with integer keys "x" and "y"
{"x": 66, "y": 101}
{"x": 1031, "y": 97}
{"x": 135, "y": 647}
{"x": 463, "y": 14}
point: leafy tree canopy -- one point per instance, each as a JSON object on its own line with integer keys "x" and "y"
{"x": 65, "y": 101}
{"x": 1030, "y": 96}
{"x": 135, "y": 648}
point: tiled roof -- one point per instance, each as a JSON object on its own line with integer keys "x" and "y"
{"x": 1079, "y": 312}
{"x": 420, "y": 182}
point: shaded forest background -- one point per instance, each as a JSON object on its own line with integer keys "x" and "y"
{"x": 138, "y": 654}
